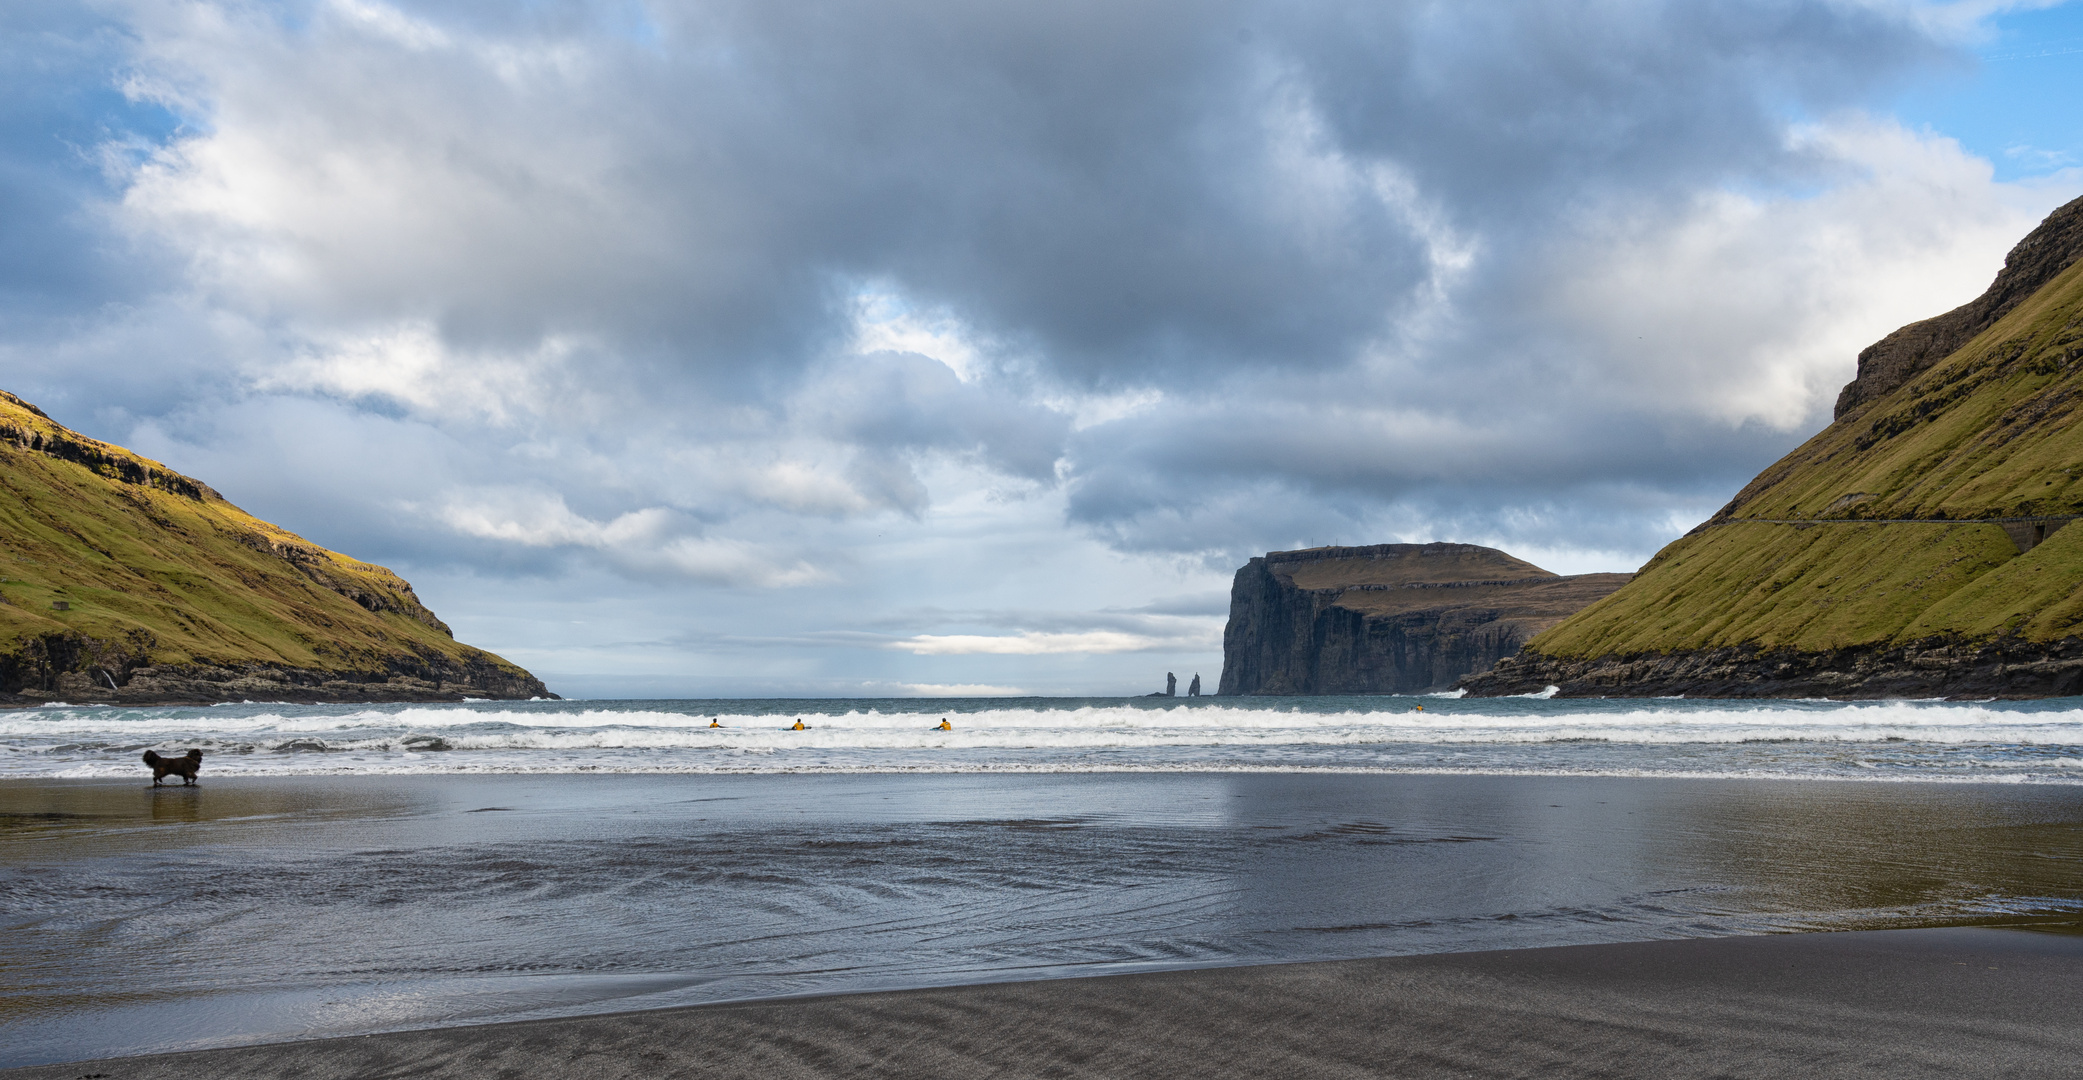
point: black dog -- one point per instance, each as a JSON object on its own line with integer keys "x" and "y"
{"x": 183, "y": 766}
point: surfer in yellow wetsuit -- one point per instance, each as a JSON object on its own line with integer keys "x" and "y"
{"x": 799, "y": 725}
{"x": 944, "y": 725}
{"x": 713, "y": 722}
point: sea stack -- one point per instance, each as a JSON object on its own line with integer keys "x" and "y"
{"x": 1388, "y": 619}
{"x": 1916, "y": 547}
{"x": 125, "y": 582}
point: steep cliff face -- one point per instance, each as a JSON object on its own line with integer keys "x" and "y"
{"x": 1918, "y": 546}
{"x": 122, "y": 581}
{"x": 1387, "y": 619}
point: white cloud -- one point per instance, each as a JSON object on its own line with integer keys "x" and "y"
{"x": 731, "y": 562}
{"x": 390, "y": 23}
{"x": 947, "y": 690}
{"x": 884, "y": 321}
{"x": 540, "y": 519}
{"x": 411, "y": 364}
{"x": 647, "y": 541}
{"x": 805, "y": 487}
{"x": 1037, "y": 643}
{"x": 1091, "y": 410}
{"x": 1751, "y": 307}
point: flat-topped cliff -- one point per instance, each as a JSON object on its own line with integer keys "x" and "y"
{"x": 1388, "y": 619}
{"x": 123, "y": 581}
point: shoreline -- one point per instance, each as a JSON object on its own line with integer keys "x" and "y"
{"x": 1972, "y": 1001}
{"x": 1939, "y": 668}
{"x": 1061, "y": 769}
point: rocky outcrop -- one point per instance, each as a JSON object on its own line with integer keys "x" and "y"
{"x": 1901, "y": 356}
{"x": 54, "y": 440}
{"x": 1388, "y": 619}
{"x": 79, "y": 670}
{"x": 1938, "y": 668}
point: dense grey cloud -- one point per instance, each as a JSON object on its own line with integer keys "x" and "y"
{"x": 910, "y": 309}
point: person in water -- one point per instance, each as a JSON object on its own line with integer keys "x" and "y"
{"x": 799, "y": 725}
{"x": 713, "y": 722}
{"x": 944, "y": 725}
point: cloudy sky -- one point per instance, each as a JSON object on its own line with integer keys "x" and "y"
{"x": 891, "y": 347}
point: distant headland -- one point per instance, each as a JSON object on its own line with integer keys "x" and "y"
{"x": 1388, "y": 619}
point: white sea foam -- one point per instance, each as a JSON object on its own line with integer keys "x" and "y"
{"x": 1082, "y": 726}
{"x": 1895, "y": 739}
{"x": 493, "y": 766}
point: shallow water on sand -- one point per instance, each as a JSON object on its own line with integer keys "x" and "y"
{"x": 261, "y": 908}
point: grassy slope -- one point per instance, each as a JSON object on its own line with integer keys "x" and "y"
{"x": 1991, "y": 431}
{"x": 1444, "y": 563}
{"x": 1532, "y": 601}
{"x": 148, "y": 557}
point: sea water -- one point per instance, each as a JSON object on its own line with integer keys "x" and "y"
{"x": 353, "y": 869}
{"x": 2035, "y": 742}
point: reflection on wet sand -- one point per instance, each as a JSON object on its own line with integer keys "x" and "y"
{"x": 103, "y": 817}
{"x": 1866, "y": 856}
{"x": 184, "y": 805}
{"x": 292, "y": 907}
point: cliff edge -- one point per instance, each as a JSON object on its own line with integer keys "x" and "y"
{"x": 1903, "y": 355}
{"x": 125, "y": 582}
{"x": 1387, "y": 619}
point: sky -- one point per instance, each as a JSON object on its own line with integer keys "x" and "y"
{"x": 863, "y": 348}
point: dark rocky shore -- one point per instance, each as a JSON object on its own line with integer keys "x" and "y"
{"x": 1940, "y": 668}
{"x": 84, "y": 671}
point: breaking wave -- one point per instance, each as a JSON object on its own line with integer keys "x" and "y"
{"x": 2035, "y": 741}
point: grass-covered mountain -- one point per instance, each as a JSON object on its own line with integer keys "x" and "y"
{"x": 124, "y": 581}
{"x": 1866, "y": 563}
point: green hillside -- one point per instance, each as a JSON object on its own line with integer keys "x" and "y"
{"x": 1987, "y": 431}
{"x": 122, "y": 580}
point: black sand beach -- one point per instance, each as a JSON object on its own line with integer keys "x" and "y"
{"x": 293, "y": 910}
{"x": 1969, "y": 1002}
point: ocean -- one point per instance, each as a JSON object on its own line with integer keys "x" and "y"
{"x": 342, "y": 870}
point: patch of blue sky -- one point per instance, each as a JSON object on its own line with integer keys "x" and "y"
{"x": 632, "y": 21}
{"x": 68, "y": 134}
{"x": 59, "y": 73}
{"x": 2017, "y": 103}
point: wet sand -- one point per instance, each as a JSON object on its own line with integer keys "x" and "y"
{"x": 1897, "y": 1003}
{"x": 259, "y": 910}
